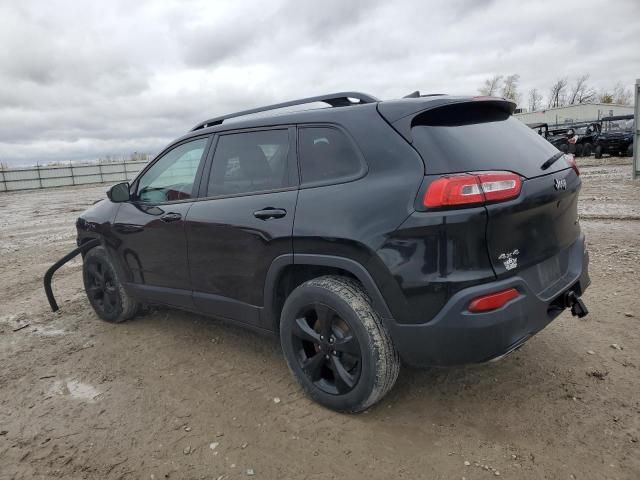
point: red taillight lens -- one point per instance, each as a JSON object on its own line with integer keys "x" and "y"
{"x": 572, "y": 161}
{"x": 472, "y": 188}
{"x": 493, "y": 301}
{"x": 454, "y": 190}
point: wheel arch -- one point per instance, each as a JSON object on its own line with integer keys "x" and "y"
{"x": 288, "y": 271}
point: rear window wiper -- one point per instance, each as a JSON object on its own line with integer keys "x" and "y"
{"x": 551, "y": 161}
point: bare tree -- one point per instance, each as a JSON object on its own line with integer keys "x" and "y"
{"x": 581, "y": 92}
{"x": 557, "y": 96}
{"x": 535, "y": 100}
{"x": 510, "y": 87}
{"x": 491, "y": 85}
{"x": 621, "y": 94}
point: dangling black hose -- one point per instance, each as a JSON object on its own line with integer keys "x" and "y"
{"x": 49, "y": 275}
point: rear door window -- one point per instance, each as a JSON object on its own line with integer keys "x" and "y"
{"x": 463, "y": 138}
{"x": 327, "y": 156}
{"x": 250, "y": 162}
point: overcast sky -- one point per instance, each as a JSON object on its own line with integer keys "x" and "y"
{"x": 81, "y": 80}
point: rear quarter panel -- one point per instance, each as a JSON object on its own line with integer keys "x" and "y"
{"x": 355, "y": 219}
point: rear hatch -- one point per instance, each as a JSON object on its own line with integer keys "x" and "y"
{"x": 534, "y": 228}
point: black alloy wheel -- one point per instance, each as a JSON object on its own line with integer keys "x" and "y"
{"x": 336, "y": 345}
{"x": 104, "y": 289}
{"x": 101, "y": 287}
{"x": 327, "y": 350}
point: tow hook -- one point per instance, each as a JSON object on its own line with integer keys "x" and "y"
{"x": 578, "y": 308}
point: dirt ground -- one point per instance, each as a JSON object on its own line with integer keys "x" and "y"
{"x": 175, "y": 395}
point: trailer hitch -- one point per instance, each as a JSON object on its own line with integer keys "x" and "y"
{"x": 578, "y": 308}
{"x": 52, "y": 269}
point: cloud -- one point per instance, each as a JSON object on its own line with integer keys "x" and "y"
{"x": 116, "y": 77}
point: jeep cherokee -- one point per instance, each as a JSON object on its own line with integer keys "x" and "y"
{"x": 433, "y": 230}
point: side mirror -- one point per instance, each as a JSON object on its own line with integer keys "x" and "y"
{"x": 119, "y": 193}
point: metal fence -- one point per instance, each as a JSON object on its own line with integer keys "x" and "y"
{"x": 66, "y": 175}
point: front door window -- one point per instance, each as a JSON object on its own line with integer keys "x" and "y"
{"x": 172, "y": 177}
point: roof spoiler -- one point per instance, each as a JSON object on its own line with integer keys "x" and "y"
{"x": 401, "y": 113}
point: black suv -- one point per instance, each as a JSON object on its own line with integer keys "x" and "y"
{"x": 435, "y": 230}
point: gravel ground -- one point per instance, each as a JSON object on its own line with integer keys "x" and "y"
{"x": 176, "y": 395}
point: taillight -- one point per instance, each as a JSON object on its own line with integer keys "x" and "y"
{"x": 472, "y": 188}
{"x": 493, "y": 301}
{"x": 571, "y": 160}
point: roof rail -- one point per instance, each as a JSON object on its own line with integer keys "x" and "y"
{"x": 341, "y": 99}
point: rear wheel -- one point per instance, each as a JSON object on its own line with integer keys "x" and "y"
{"x": 598, "y": 151}
{"x": 579, "y": 150}
{"x": 586, "y": 150}
{"x": 336, "y": 345}
{"x": 104, "y": 289}
{"x": 630, "y": 150}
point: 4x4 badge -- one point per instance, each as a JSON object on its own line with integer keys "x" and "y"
{"x": 510, "y": 259}
{"x": 560, "y": 183}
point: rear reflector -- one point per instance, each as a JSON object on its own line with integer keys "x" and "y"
{"x": 493, "y": 301}
{"x": 472, "y": 188}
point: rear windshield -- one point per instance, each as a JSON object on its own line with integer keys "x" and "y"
{"x": 469, "y": 137}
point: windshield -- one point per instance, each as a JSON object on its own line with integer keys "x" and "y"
{"x": 619, "y": 125}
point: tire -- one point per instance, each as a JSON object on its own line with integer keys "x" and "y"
{"x": 564, "y": 148}
{"x": 579, "y": 150}
{"x": 104, "y": 289}
{"x": 598, "y": 151}
{"x": 329, "y": 325}
{"x": 630, "y": 150}
{"x": 587, "y": 149}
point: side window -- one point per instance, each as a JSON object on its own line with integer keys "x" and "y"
{"x": 172, "y": 176}
{"x": 250, "y": 162}
{"x": 327, "y": 154}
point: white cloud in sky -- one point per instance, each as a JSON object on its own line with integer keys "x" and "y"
{"x": 80, "y": 80}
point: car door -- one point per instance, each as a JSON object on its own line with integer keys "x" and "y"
{"x": 244, "y": 222}
{"x": 149, "y": 230}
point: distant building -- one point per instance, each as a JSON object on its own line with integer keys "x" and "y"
{"x": 574, "y": 113}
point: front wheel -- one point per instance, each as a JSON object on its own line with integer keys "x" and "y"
{"x": 587, "y": 149}
{"x": 579, "y": 149}
{"x": 336, "y": 345}
{"x": 104, "y": 289}
{"x": 598, "y": 151}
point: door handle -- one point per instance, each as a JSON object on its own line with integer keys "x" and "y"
{"x": 270, "y": 212}
{"x": 171, "y": 217}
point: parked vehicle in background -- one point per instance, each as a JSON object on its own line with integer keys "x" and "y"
{"x": 557, "y": 139}
{"x": 438, "y": 230}
{"x": 616, "y": 137}
{"x": 582, "y": 138}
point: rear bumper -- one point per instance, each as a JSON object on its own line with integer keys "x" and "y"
{"x": 456, "y": 336}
